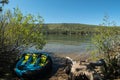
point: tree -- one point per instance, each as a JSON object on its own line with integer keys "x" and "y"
{"x": 17, "y": 30}
{"x": 3, "y": 2}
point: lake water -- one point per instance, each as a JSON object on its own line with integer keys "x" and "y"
{"x": 68, "y": 44}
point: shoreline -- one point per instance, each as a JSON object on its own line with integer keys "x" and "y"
{"x": 59, "y": 64}
{"x": 58, "y": 72}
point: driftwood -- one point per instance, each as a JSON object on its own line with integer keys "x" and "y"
{"x": 83, "y": 70}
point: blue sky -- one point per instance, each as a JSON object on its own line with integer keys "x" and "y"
{"x": 70, "y": 11}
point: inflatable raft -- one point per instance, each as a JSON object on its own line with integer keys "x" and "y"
{"x": 33, "y": 65}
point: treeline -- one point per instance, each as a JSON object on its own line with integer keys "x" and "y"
{"x": 73, "y": 29}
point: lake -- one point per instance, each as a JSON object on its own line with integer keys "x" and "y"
{"x": 68, "y": 44}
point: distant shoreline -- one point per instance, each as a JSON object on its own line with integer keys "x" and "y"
{"x": 73, "y": 28}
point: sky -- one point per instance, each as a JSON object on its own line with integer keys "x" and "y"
{"x": 70, "y": 11}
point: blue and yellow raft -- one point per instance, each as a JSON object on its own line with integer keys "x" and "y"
{"x": 32, "y": 65}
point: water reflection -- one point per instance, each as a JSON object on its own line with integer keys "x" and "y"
{"x": 68, "y": 44}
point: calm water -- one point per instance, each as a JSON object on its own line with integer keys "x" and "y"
{"x": 67, "y": 44}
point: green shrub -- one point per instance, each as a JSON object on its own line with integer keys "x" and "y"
{"x": 18, "y": 30}
{"x": 108, "y": 46}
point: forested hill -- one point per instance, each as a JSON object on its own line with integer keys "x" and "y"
{"x": 71, "y": 28}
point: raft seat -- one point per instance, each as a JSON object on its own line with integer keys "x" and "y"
{"x": 26, "y": 58}
{"x": 34, "y": 59}
{"x": 43, "y": 60}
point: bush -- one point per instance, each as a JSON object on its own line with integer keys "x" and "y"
{"x": 108, "y": 45}
{"x": 18, "y": 30}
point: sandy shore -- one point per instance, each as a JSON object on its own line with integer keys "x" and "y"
{"x": 59, "y": 65}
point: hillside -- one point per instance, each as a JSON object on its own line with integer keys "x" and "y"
{"x": 72, "y": 28}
